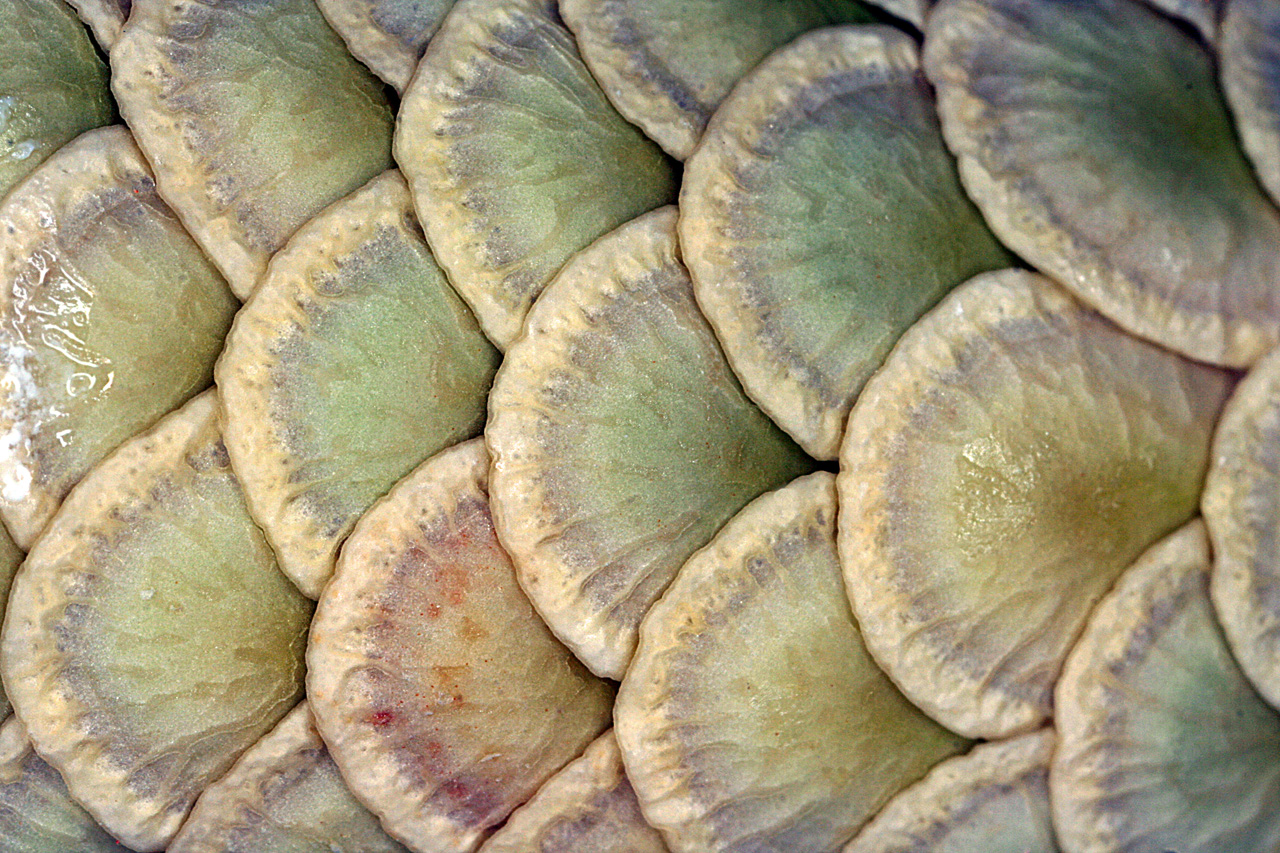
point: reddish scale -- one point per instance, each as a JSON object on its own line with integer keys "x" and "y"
{"x": 455, "y": 789}
{"x": 449, "y": 575}
{"x": 437, "y": 578}
{"x": 468, "y": 800}
{"x": 471, "y": 802}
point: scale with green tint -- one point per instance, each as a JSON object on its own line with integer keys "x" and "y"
{"x": 444, "y": 699}
{"x": 515, "y": 156}
{"x": 1240, "y": 506}
{"x": 110, "y": 317}
{"x": 53, "y": 86}
{"x": 821, "y": 216}
{"x": 37, "y": 815}
{"x": 621, "y": 440}
{"x": 1013, "y": 455}
{"x": 285, "y": 796}
{"x": 353, "y": 362}
{"x": 254, "y": 117}
{"x": 151, "y": 637}
{"x": 667, "y": 65}
{"x": 1163, "y": 744}
{"x": 994, "y": 799}
{"x": 752, "y": 716}
{"x": 1094, "y": 138}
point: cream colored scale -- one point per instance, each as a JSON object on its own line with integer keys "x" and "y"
{"x": 621, "y": 440}
{"x": 37, "y": 815}
{"x": 284, "y": 795}
{"x": 110, "y": 317}
{"x": 753, "y": 717}
{"x": 515, "y": 156}
{"x": 389, "y": 36}
{"x": 1163, "y": 744}
{"x": 589, "y": 805}
{"x": 352, "y": 363}
{"x": 1093, "y": 136}
{"x": 254, "y": 117}
{"x": 150, "y": 637}
{"x": 1016, "y": 452}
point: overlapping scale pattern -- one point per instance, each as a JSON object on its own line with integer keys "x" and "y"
{"x": 1011, "y": 455}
